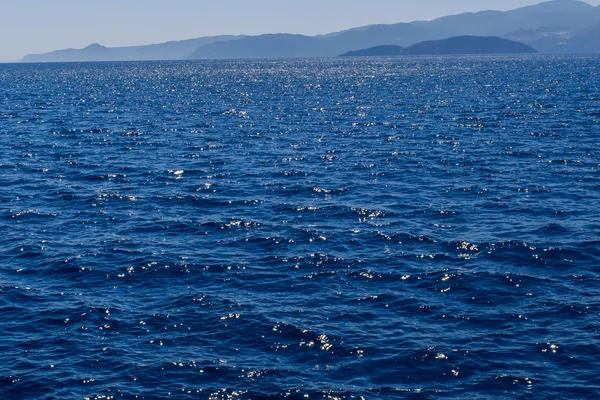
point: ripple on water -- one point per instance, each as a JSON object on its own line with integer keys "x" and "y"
{"x": 330, "y": 229}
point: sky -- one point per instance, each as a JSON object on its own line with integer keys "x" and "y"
{"x": 38, "y": 26}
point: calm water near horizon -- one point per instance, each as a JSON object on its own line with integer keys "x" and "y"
{"x": 416, "y": 228}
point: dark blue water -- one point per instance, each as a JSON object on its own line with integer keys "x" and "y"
{"x": 415, "y": 228}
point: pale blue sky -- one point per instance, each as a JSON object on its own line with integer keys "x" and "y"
{"x": 34, "y": 26}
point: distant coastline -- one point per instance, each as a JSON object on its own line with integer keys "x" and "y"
{"x": 559, "y": 26}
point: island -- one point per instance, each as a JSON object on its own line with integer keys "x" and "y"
{"x": 456, "y": 45}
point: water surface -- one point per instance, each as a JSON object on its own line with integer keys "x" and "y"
{"x": 329, "y": 229}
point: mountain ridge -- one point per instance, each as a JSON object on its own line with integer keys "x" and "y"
{"x": 530, "y": 25}
{"x": 175, "y": 49}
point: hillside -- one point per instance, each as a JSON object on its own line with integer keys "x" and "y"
{"x": 569, "y": 15}
{"x": 174, "y": 50}
{"x": 586, "y": 40}
{"x": 451, "y": 46}
{"x": 263, "y": 46}
{"x": 469, "y": 45}
{"x": 377, "y": 51}
{"x": 565, "y": 26}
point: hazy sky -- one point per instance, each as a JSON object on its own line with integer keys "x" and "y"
{"x": 35, "y": 26}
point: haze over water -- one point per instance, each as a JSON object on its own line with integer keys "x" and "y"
{"x": 387, "y": 228}
{"x": 44, "y": 26}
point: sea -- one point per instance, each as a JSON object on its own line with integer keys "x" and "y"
{"x": 378, "y": 228}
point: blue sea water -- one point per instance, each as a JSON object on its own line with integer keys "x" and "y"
{"x": 418, "y": 228}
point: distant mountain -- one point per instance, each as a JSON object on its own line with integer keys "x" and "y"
{"x": 542, "y": 39}
{"x": 174, "y": 50}
{"x": 570, "y": 15}
{"x": 263, "y": 46}
{"x": 377, "y": 51}
{"x": 552, "y": 26}
{"x": 586, "y": 40}
{"x": 454, "y": 45}
{"x": 564, "y": 13}
{"x": 93, "y": 52}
